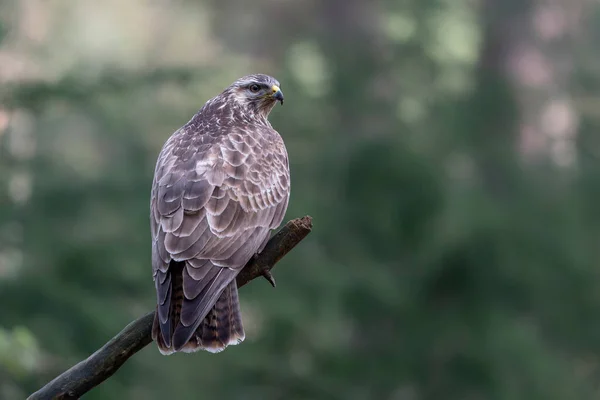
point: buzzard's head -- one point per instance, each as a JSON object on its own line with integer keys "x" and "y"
{"x": 255, "y": 93}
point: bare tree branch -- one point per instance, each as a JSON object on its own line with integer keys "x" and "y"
{"x": 98, "y": 367}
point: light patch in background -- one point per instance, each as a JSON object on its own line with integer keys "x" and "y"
{"x": 105, "y": 34}
{"x": 455, "y": 80}
{"x": 406, "y": 392}
{"x": 35, "y": 23}
{"x": 19, "y": 350}
{"x": 410, "y": 110}
{"x": 79, "y": 152}
{"x": 20, "y": 187}
{"x": 559, "y": 119}
{"x": 301, "y": 362}
{"x": 4, "y": 123}
{"x": 560, "y": 122}
{"x": 11, "y": 255}
{"x": 124, "y": 35}
{"x": 400, "y": 27}
{"x": 21, "y": 143}
{"x": 11, "y": 261}
{"x": 530, "y": 67}
{"x": 460, "y": 167}
{"x": 252, "y": 320}
{"x": 550, "y": 21}
{"x": 4, "y": 120}
{"x": 309, "y": 68}
{"x": 564, "y": 152}
{"x": 454, "y": 44}
{"x": 456, "y": 37}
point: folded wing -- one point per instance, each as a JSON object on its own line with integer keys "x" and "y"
{"x": 214, "y": 201}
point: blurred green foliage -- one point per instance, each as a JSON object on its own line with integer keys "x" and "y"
{"x": 442, "y": 264}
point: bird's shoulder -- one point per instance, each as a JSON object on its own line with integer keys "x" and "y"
{"x": 246, "y": 165}
{"x": 212, "y": 143}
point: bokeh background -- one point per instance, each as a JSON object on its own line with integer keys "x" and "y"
{"x": 448, "y": 151}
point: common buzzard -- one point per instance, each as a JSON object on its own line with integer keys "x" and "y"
{"x": 221, "y": 184}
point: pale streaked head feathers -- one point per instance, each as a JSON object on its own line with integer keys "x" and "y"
{"x": 257, "y": 93}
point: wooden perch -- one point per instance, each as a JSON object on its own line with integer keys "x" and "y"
{"x": 98, "y": 367}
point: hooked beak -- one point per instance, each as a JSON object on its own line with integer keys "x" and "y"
{"x": 277, "y": 94}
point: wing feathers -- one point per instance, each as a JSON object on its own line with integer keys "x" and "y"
{"x": 192, "y": 287}
{"x": 196, "y": 194}
{"x": 161, "y": 250}
{"x": 233, "y": 157}
{"x": 178, "y": 244}
{"x": 213, "y": 206}
{"x": 216, "y": 205}
{"x": 221, "y": 221}
{"x": 172, "y": 222}
{"x": 190, "y": 223}
{"x": 200, "y": 273}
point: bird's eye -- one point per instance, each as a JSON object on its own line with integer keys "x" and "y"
{"x": 254, "y": 88}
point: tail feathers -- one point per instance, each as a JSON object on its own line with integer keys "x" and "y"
{"x": 169, "y": 287}
{"x": 221, "y": 327}
{"x": 157, "y": 336}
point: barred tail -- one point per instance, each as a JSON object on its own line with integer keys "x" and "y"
{"x": 221, "y": 327}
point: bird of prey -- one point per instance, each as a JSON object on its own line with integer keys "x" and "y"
{"x": 221, "y": 184}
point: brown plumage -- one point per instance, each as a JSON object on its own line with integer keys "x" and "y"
{"x": 221, "y": 184}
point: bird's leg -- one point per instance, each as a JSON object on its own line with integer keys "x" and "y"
{"x": 266, "y": 272}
